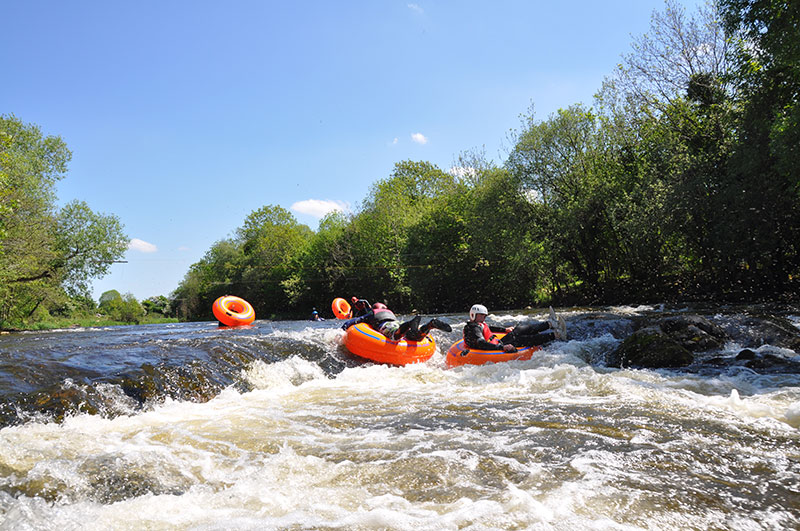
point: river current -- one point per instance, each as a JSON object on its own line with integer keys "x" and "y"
{"x": 277, "y": 426}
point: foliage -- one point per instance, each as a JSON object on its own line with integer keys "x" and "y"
{"x": 157, "y": 305}
{"x": 663, "y": 61}
{"x": 124, "y": 309}
{"x": 108, "y": 296}
{"x": 680, "y": 181}
{"x": 45, "y": 253}
{"x": 255, "y": 265}
{"x": 764, "y": 163}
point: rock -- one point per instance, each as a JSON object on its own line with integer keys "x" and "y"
{"x": 693, "y": 332}
{"x": 746, "y": 354}
{"x": 650, "y": 348}
{"x": 754, "y": 331}
{"x": 771, "y": 362}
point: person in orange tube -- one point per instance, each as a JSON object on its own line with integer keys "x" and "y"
{"x": 359, "y": 307}
{"x": 480, "y": 335}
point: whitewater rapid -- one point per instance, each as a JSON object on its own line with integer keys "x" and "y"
{"x": 558, "y": 442}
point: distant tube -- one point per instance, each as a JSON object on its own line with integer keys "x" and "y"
{"x": 341, "y": 308}
{"x": 233, "y": 311}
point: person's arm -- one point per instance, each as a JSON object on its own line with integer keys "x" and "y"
{"x": 355, "y": 320}
{"x": 473, "y": 338}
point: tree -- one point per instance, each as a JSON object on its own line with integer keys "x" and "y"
{"x": 44, "y": 251}
{"x": 254, "y": 265}
{"x": 269, "y": 239}
{"x": 123, "y": 308}
{"x": 560, "y": 161}
{"x": 87, "y": 243}
{"x": 108, "y": 296}
{"x": 764, "y": 177}
{"x": 158, "y": 304}
{"x": 379, "y": 233}
{"x": 676, "y": 49}
{"x": 318, "y": 272}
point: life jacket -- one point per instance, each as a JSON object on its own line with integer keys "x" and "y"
{"x": 488, "y": 335}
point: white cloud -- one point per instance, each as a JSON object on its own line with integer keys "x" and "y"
{"x": 184, "y": 248}
{"x": 416, "y": 8}
{"x": 419, "y": 138}
{"x": 142, "y": 246}
{"x": 395, "y": 141}
{"x": 318, "y": 207}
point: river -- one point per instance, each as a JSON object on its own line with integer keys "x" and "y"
{"x": 276, "y": 426}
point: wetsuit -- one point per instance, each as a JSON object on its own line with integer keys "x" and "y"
{"x": 479, "y": 335}
{"x": 410, "y": 330}
{"x": 361, "y": 307}
{"x": 474, "y": 336}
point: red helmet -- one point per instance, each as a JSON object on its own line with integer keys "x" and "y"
{"x": 379, "y": 306}
{"x": 353, "y": 299}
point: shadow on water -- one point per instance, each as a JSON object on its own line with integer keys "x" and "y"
{"x": 121, "y": 370}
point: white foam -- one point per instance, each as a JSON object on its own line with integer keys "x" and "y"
{"x": 548, "y": 443}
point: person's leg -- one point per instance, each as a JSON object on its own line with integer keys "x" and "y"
{"x": 531, "y": 328}
{"x": 521, "y": 341}
{"x": 409, "y": 329}
{"x": 435, "y": 323}
{"x": 529, "y": 335}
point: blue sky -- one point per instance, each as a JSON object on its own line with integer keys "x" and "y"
{"x": 183, "y": 116}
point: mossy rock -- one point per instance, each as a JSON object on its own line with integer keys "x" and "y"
{"x": 650, "y": 348}
{"x": 693, "y": 332}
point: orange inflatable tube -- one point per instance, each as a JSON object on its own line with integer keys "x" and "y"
{"x": 460, "y": 354}
{"x": 341, "y": 308}
{"x": 366, "y": 342}
{"x": 233, "y": 311}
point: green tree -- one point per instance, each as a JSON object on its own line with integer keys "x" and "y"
{"x": 379, "y": 232}
{"x": 269, "y": 239}
{"x": 125, "y": 309}
{"x": 107, "y": 298}
{"x": 319, "y": 270}
{"x": 677, "y": 48}
{"x": 254, "y": 265}
{"x": 44, "y": 251}
{"x": 765, "y": 185}
{"x": 157, "y": 304}
{"x": 218, "y": 273}
{"x": 561, "y": 161}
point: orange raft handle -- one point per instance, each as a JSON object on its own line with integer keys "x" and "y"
{"x": 233, "y": 311}
{"x": 341, "y": 308}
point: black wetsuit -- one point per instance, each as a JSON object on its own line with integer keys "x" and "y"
{"x": 361, "y": 307}
{"x": 524, "y": 335}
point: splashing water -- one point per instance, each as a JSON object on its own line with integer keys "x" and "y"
{"x": 278, "y": 427}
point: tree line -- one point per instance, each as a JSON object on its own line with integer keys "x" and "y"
{"x": 679, "y": 181}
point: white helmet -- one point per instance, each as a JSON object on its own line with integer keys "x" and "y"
{"x": 476, "y": 309}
